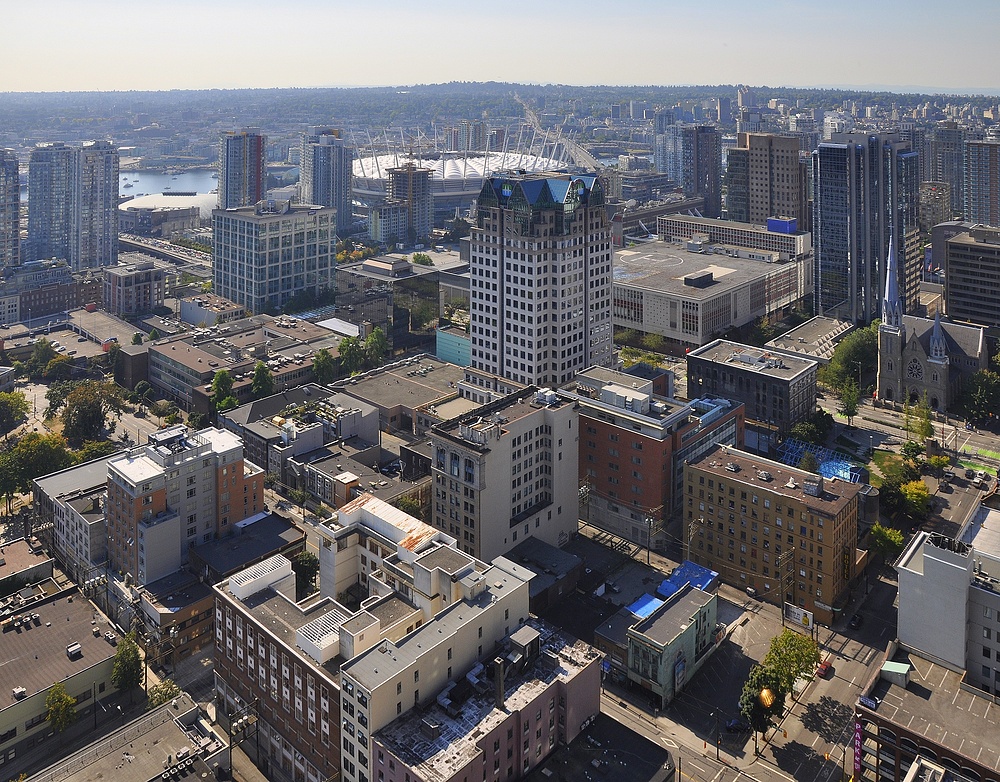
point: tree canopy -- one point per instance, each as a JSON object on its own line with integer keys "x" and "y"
{"x": 222, "y": 391}
{"x": 886, "y": 541}
{"x": 850, "y": 396}
{"x": 263, "y": 381}
{"x": 790, "y": 656}
{"x": 60, "y": 707}
{"x": 305, "y": 566}
{"x": 860, "y": 347}
{"x": 14, "y": 409}
{"x": 352, "y": 354}
{"x": 763, "y": 698}
{"x": 324, "y": 367}
{"x": 126, "y": 669}
{"x": 86, "y": 409}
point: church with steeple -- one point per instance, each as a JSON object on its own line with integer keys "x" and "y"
{"x": 921, "y": 358}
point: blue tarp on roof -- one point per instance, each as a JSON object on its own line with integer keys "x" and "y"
{"x": 667, "y": 588}
{"x": 645, "y": 606}
{"x": 688, "y": 573}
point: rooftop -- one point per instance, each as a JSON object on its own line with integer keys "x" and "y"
{"x": 739, "y": 467}
{"x": 264, "y": 535}
{"x": 672, "y": 618}
{"x": 34, "y": 653}
{"x": 815, "y": 339}
{"x": 20, "y": 555}
{"x": 477, "y": 427}
{"x": 982, "y": 531}
{"x": 151, "y": 740}
{"x": 936, "y": 706}
{"x": 662, "y": 267}
{"x": 176, "y": 592}
{"x": 388, "y": 658}
{"x": 751, "y": 359}
{"x": 408, "y": 384}
{"x": 460, "y": 735}
{"x": 86, "y": 476}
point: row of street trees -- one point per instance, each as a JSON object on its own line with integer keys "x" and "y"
{"x": 127, "y": 671}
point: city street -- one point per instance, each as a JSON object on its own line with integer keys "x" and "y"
{"x": 812, "y": 740}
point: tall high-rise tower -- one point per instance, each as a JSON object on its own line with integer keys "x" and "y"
{"x": 50, "y": 193}
{"x": 865, "y": 187}
{"x": 326, "y": 162}
{"x": 691, "y": 155}
{"x": 766, "y": 178}
{"x": 541, "y": 278}
{"x": 945, "y": 150}
{"x": 94, "y": 235}
{"x": 73, "y": 206}
{"x": 10, "y": 209}
{"x": 981, "y": 182}
{"x": 411, "y": 185}
{"x": 242, "y": 171}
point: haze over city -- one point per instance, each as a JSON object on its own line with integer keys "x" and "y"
{"x": 117, "y": 45}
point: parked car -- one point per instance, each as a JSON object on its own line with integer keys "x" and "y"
{"x": 856, "y": 621}
{"x": 751, "y": 592}
{"x": 737, "y": 725}
{"x": 970, "y": 473}
{"x": 823, "y": 670}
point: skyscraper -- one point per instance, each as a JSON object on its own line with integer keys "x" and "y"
{"x": 94, "y": 235}
{"x": 326, "y": 162}
{"x": 10, "y": 209}
{"x": 691, "y": 155}
{"x": 766, "y": 178}
{"x": 945, "y": 148}
{"x": 73, "y": 206}
{"x": 242, "y": 171}
{"x": 411, "y": 185}
{"x": 50, "y": 188}
{"x": 865, "y": 187}
{"x": 981, "y": 182}
{"x": 541, "y": 278}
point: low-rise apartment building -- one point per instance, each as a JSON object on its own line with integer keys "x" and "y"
{"x": 789, "y": 535}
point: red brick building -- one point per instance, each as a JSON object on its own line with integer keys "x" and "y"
{"x": 633, "y": 445}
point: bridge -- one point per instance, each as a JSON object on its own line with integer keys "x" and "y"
{"x": 576, "y": 152}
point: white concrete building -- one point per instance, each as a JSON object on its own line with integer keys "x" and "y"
{"x": 507, "y": 471}
{"x": 949, "y": 599}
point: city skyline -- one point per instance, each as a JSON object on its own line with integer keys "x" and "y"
{"x": 779, "y": 43}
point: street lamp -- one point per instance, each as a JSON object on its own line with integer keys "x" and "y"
{"x": 718, "y": 737}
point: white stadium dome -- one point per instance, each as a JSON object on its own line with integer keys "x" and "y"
{"x": 453, "y": 174}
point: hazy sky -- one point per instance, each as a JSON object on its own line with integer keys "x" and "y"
{"x": 165, "y": 44}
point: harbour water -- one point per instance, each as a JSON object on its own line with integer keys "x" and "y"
{"x": 147, "y": 182}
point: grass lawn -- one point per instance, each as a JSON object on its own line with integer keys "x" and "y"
{"x": 886, "y": 462}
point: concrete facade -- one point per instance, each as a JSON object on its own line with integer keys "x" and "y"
{"x": 507, "y": 471}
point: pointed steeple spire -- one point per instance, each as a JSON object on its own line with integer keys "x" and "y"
{"x": 892, "y": 307}
{"x": 939, "y": 347}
